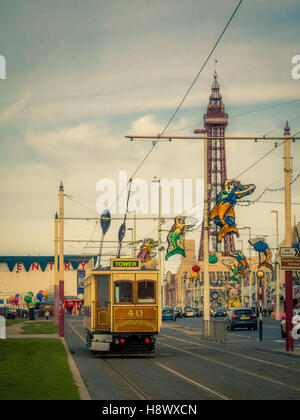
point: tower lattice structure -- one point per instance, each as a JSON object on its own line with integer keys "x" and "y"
{"x": 215, "y": 123}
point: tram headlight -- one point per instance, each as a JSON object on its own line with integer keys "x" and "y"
{"x": 117, "y": 341}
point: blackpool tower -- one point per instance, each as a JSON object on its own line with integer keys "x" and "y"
{"x": 215, "y": 123}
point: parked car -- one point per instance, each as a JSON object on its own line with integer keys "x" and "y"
{"x": 296, "y": 312}
{"x": 178, "y": 313}
{"x": 196, "y": 310}
{"x": 200, "y": 313}
{"x": 189, "y": 312}
{"x": 241, "y": 318}
{"x": 219, "y": 312}
{"x": 168, "y": 314}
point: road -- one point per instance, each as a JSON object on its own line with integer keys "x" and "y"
{"x": 186, "y": 367}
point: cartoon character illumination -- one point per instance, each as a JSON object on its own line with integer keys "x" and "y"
{"x": 233, "y": 268}
{"x": 147, "y": 250}
{"x": 176, "y": 235}
{"x": 230, "y": 294}
{"x": 242, "y": 265}
{"x": 260, "y": 245}
{"x": 223, "y": 212}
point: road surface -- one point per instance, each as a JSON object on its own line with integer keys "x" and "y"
{"x": 186, "y": 367}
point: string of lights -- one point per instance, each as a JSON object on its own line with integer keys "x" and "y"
{"x": 247, "y": 203}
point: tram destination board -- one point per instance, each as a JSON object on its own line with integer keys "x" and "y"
{"x": 290, "y": 263}
{"x": 125, "y": 264}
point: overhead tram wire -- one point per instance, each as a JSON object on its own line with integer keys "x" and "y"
{"x": 260, "y": 159}
{"x": 242, "y": 114}
{"x": 154, "y": 143}
{"x": 203, "y": 66}
{"x": 276, "y": 147}
{"x": 255, "y": 163}
{"x": 282, "y": 126}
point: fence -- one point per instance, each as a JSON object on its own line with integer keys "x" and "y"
{"x": 214, "y": 331}
{"x": 2, "y": 328}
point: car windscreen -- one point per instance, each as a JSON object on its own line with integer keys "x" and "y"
{"x": 241, "y": 312}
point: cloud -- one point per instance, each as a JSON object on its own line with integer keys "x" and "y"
{"x": 76, "y": 141}
{"x": 15, "y": 109}
{"x": 83, "y": 134}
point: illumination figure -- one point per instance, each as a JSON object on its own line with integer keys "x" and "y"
{"x": 176, "y": 236}
{"x": 147, "y": 250}
{"x": 260, "y": 245}
{"x": 242, "y": 263}
{"x": 223, "y": 212}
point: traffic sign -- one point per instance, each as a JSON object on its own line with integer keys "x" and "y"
{"x": 289, "y": 252}
{"x": 290, "y": 263}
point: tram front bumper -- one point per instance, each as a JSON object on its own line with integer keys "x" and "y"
{"x": 100, "y": 346}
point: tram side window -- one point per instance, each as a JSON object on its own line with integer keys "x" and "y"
{"x": 103, "y": 291}
{"x": 146, "y": 292}
{"x": 123, "y": 292}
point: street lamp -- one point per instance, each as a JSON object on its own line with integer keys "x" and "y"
{"x": 260, "y": 275}
{"x": 242, "y": 278}
{"x": 250, "y": 260}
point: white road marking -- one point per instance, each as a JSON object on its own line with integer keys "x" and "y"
{"x": 143, "y": 396}
{"x": 221, "y": 396}
{"x": 267, "y": 362}
{"x": 77, "y": 333}
{"x": 234, "y": 368}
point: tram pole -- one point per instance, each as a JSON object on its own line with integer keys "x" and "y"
{"x": 206, "y": 246}
{"x": 61, "y": 262}
{"x": 161, "y": 288}
{"x": 134, "y": 234}
{"x": 288, "y": 238}
{"x": 56, "y": 270}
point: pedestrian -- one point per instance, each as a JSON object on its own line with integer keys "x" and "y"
{"x": 47, "y": 315}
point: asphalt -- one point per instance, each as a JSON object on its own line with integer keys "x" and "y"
{"x": 186, "y": 367}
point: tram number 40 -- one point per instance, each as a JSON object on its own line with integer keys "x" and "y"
{"x": 136, "y": 314}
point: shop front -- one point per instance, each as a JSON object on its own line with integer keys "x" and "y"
{"x": 73, "y": 304}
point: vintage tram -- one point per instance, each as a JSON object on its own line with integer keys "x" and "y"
{"x": 122, "y": 308}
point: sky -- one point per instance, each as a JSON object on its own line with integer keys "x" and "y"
{"x": 81, "y": 75}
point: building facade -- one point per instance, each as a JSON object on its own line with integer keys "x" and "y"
{"x": 182, "y": 290}
{"x": 19, "y": 275}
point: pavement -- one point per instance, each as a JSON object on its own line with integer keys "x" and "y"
{"x": 185, "y": 367}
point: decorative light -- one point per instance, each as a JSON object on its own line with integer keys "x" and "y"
{"x": 260, "y": 274}
{"x": 213, "y": 259}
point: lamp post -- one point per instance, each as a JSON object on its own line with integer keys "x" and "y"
{"x": 242, "y": 278}
{"x": 250, "y": 260}
{"x": 159, "y": 257}
{"x": 132, "y": 242}
{"x": 277, "y": 277}
{"x": 260, "y": 275}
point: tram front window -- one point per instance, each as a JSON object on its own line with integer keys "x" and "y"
{"x": 123, "y": 292}
{"x": 146, "y": 292}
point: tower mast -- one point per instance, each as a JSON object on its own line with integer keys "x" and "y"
{"x": 215, "y": 123}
